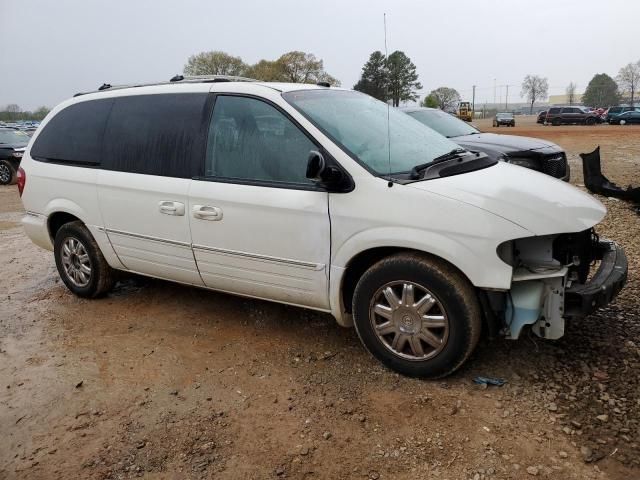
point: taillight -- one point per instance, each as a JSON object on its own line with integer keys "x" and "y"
{"x": 22, "y": 180}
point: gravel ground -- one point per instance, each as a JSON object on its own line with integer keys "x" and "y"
{"x": 163, "y": 381}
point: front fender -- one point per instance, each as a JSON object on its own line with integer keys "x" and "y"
{"x": 462, "y": 251}
{"x": 475, "y": 257}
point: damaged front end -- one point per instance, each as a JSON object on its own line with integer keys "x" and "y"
{"x": 556, "y": 277}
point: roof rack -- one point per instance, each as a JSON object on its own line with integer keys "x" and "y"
{"x": 175, "y": 79}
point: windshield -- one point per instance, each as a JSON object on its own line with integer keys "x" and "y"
{"x": 443, "y": 123}
{"x": 13, "y": 136}
{"x": 358, "y": 123}
{"x": 504, "y": 115}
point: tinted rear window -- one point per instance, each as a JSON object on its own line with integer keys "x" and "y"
{"x": 156, "y": 134}
{"x": 74, "y": 135}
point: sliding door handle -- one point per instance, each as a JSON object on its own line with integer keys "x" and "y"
{"x": 206, "y": 212}
{"x": 169, "y": 207}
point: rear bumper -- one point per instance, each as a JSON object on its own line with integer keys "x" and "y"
{"x": 35, "y": 226}
{"x": 604, "y": 286}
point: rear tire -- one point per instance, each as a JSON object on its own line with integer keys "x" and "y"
{"x": 590, "y": 121}
{"x": 81, "y": 265}
{"x": 7, "y": 173}
{"x": 417, "y": 315}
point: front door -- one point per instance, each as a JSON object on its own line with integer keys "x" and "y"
{"x": 259, "y": 227}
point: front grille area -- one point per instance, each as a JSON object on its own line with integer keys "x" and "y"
{"x": 555, "y": 165}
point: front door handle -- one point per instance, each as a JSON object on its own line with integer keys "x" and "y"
{"x": 206, "y": 212}
{"x": 169, "y": 207}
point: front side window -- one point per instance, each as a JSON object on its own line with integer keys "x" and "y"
{"x": 443, "y": 123}
{"x": 252, "y": 140}
{"x": 384, "y": 139}
{"x": 554, "y": 110}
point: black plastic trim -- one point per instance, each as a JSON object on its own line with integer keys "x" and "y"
{"x": 606, "y": 283}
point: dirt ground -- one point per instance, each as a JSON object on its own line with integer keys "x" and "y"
{"x": 163, "y": 381}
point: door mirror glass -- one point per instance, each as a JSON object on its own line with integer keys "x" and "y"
{"x": 316, "y": 166}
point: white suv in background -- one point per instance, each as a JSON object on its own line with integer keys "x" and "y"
{"x": 317, "y": 197}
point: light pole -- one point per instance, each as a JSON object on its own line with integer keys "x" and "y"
{"x": 494, "y": 92}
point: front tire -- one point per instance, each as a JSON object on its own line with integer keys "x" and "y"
{"x": 7, "y": 173}
{"x": 416, "y": 314}
{"x": 623, "y": 122}
{"x": 81, "y": 265}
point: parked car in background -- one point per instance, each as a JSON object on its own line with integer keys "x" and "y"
{"x": 539, "y": 155}
{"x": 12, "y": 146}
{"x": 506, "y": 119}
{"x": 613, "y": 112}
{"x": 541, "y": 117}
{"x": 626, "y": 118}
{"x": 571, "y": 115}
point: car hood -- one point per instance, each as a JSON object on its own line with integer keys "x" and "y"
{"x": 504, "y": 143}
{"x": 13, "y": 146}
{"x": 537, "y": 202}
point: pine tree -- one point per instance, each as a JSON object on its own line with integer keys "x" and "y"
{"x": 403, "y": 78}
{"x": 602, "y": 91}
{"x": 373, "y": 80}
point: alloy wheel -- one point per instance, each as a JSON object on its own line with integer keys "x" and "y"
{"x": 409, "y": 320}
{"x": 76, "y": 262}
{"x": 5, "y": 173}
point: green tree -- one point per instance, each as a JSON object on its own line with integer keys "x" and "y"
{"x": 534, "y": 88}
{"x": 444, "y": 98}
{"x": 403, "y": 78}
{"x": 295, "y": 67}
{"x": 214, "y": 63}
{"x": 267, "y": 71}
{"x": 629, "y": 80}
{"x": 602, "y": 91}
{"x": 301, "y": 67}
{"x": 430, "y": 101}
{"x": 40, "y": 113}
{"x": 374, "y": 77}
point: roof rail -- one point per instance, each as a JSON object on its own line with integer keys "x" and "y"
{"x": 211, "y": 78}
{"x": 176, "y": 79}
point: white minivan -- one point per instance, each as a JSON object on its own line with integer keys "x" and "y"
{"x": 318, "y": 197}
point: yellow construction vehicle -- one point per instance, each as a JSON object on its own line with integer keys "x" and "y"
{"x": 464, "y": 111}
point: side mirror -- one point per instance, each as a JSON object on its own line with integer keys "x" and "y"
{"x": 316, "y": 166}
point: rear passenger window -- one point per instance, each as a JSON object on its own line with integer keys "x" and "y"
{"x": 156, "y": 134}
{"x": 74, "y": 135}
{"x": 251, "y": 140}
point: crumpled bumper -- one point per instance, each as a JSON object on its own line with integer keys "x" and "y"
{"x": 602, "y": 288}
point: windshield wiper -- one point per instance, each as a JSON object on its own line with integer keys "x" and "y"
{"x": 455, "y": 153}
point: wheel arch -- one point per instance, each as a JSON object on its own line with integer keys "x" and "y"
{"x": 362, "y": 261}
{"x": 62, "y": 210}
{"x": 57, "y": 219}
